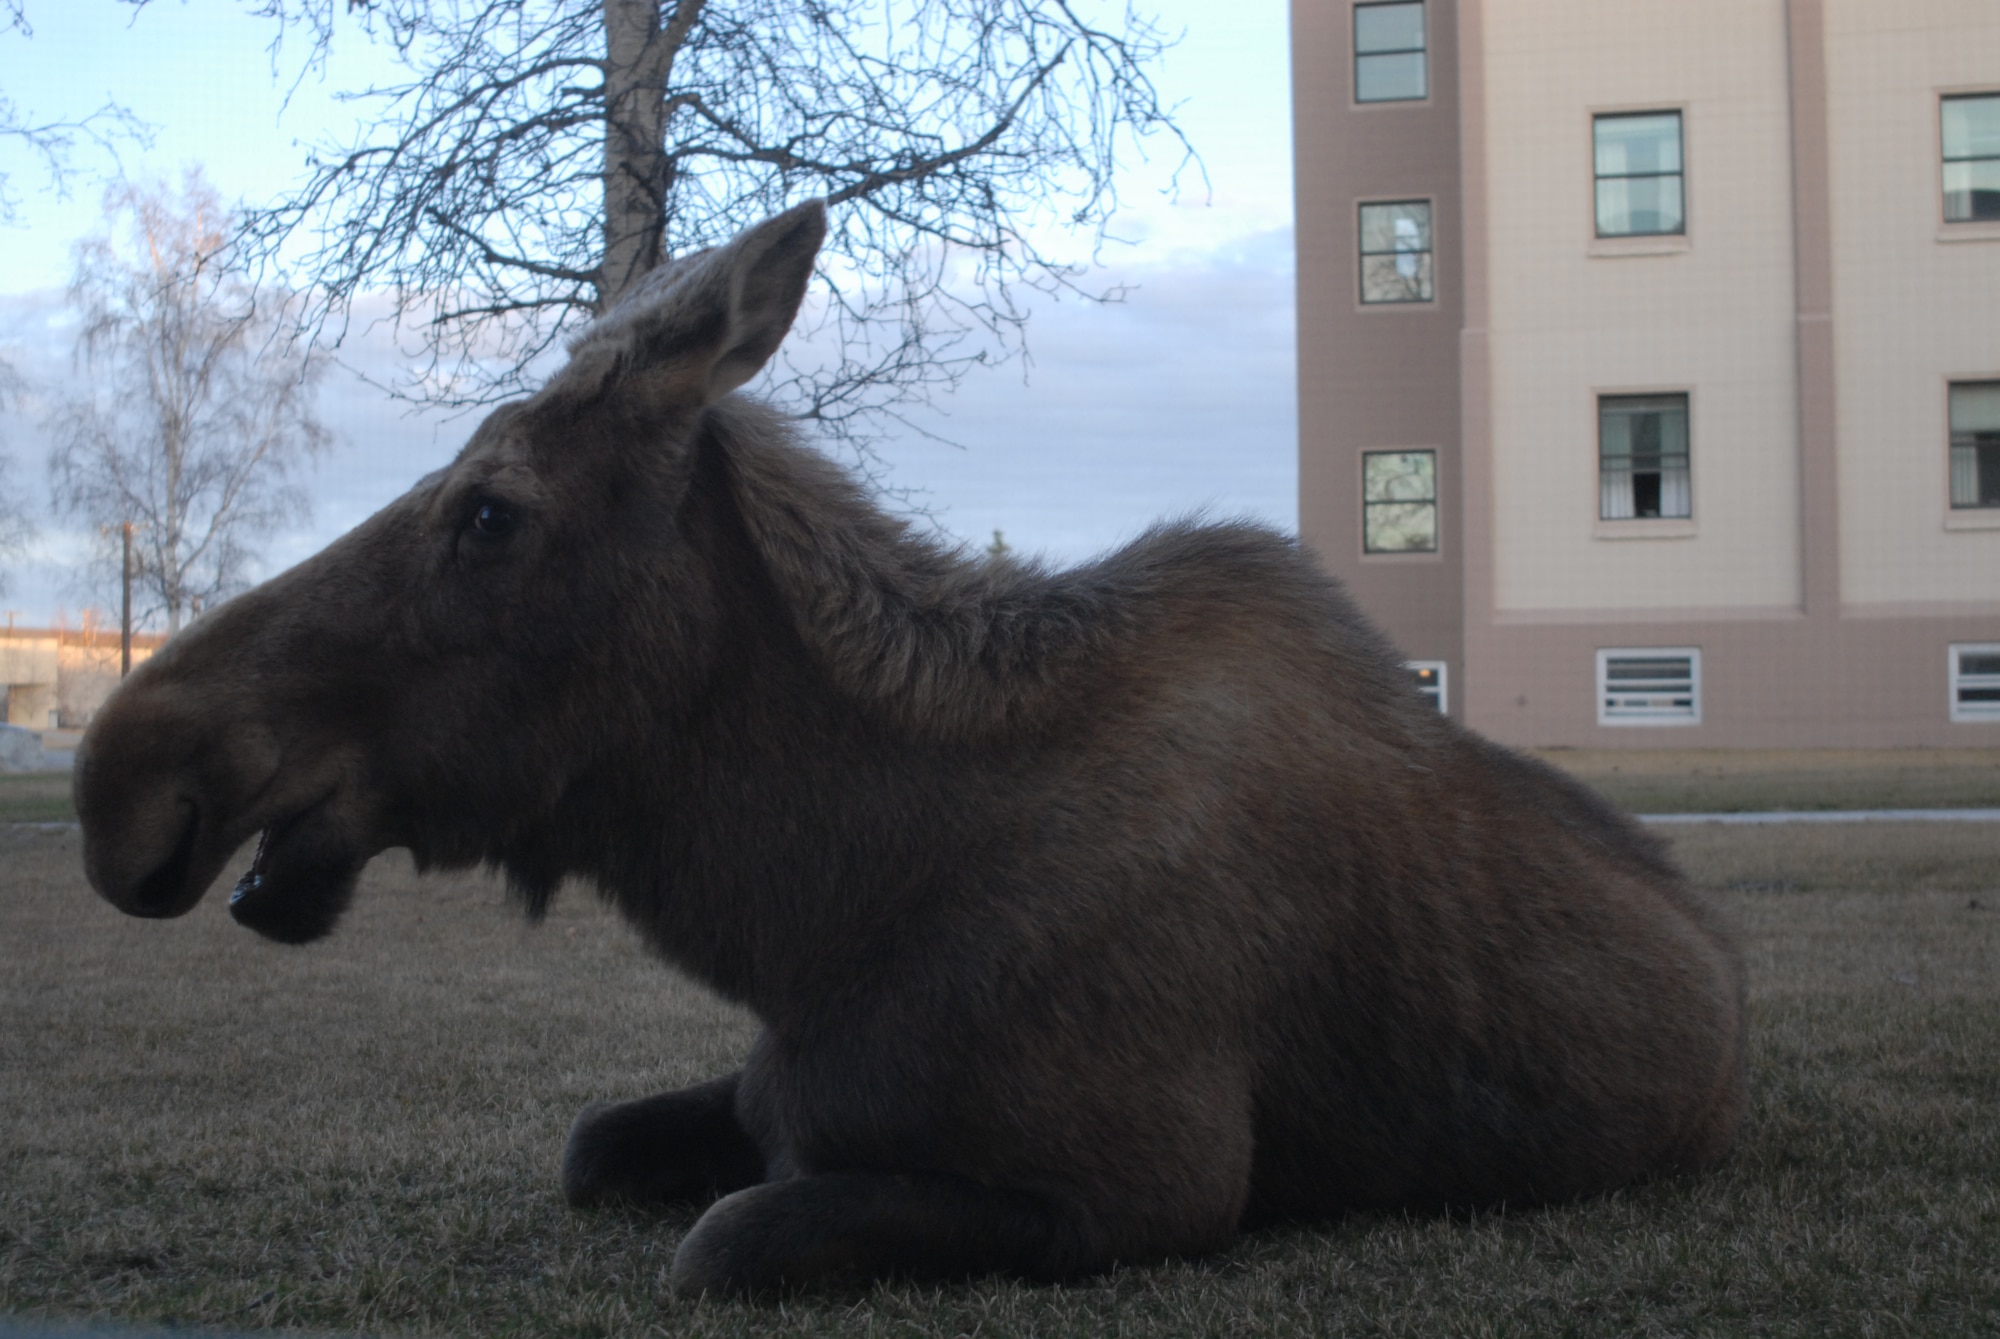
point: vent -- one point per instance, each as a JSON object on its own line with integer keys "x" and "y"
{"x": 1975, "y": 682}
{"x": 1649, "y": 686}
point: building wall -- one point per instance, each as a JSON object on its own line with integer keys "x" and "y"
{"x": 1813, "y": 315}
{"x": 1573, "y": 317}
{"x": 1916, "y": 302}
{"x": 1377, "y": 377}
{"x": 61, "y": 676}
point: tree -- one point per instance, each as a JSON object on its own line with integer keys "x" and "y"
{"x": 196, "y": 412}
{"x": 544, "y": 155}
{"x": 15, "y": 528}
{"x": 52, "y": 142}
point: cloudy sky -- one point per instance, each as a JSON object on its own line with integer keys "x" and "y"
{"x": 1179, "y": 399}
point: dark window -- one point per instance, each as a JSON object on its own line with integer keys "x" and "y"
{"x": 1975, "y": 444}
{"x": 1399, "y": 511}
{"x": 1389, "y": 53}
{"x": 1642, "y": 457}
{"x": 1396, "y": 252}
{"x": 1971, "y": 158}
{"x": 1638, "y": 167}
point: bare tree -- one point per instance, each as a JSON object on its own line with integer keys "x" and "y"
{"x": 545, "y": 154}
{"x": 196, "y": 412}
{"x": 15, "y": 527}
{"x": 51, "y": 143}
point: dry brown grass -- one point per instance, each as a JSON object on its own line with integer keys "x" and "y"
{"x": 202, "y": 1128}
{"x": 1737, "y": 780}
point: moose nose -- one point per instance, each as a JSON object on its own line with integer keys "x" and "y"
{"x": 164, "y": 891}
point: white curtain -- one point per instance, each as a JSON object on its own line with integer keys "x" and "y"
{"x": 1964, "y": 476}
{"x": 1614, "y": 495}
{"x": 1675, "y": 493}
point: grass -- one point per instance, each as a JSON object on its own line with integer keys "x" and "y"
{"x": 201, "y": 1128}
{"x": 1736, "y": 780}
{"x": 1665, "y": 781}
{"x": 35, "y": 797}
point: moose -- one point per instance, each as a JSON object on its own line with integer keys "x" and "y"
{"x": 1090, "y": 915}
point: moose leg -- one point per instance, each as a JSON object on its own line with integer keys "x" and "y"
{"x": 685, "y": 1145}
{"x": 853, "y": 1227}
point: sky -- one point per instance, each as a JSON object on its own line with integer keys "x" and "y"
{"x": 1179, "y": 399}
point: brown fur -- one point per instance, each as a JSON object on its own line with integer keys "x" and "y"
{"x": 1090, "y": 914}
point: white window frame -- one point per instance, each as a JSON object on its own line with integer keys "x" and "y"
{"x": 1443, "y": 694}
{"x": 1611, "y": 716}
{"x": 1979, "y": 712}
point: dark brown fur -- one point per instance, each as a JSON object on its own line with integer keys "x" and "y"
{"x": 1090, "y": 914}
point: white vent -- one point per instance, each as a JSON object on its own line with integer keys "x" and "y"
{"x": 1430, "y": 677}
{"x": 1649, "y": 685}
{"x": 1975, "y": 682}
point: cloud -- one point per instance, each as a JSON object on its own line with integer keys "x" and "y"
{"x": 1179, "y": 399}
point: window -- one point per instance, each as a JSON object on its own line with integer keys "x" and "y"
{"x": 1399, "y": 502}
{"x": 1639, "y": 174}
{"x": 1396, "y": 252}
{"x": 1975, "y": 682}
{"x": 1971, "y": 158}
{"x": 1649, "y": 686}
{"x": 1975, "y": 444}
{"x": 1429, "y": 675}
{"x": 1642, "y": 457}
{"x": 1389, "y": 53}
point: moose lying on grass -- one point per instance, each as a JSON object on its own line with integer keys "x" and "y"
{"x": 1090, "y": 915}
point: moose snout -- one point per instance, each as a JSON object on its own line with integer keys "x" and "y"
{"x": 157, "y": 810}
{"x": 140, "y": 841}
{"x": 165, "y": 890}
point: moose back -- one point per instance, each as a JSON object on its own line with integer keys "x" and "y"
{"x": 1090, "y": 915}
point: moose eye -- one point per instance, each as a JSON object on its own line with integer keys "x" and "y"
{"x": 492, "y": 520}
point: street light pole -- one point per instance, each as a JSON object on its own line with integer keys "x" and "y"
{"x": 125, "y": 607}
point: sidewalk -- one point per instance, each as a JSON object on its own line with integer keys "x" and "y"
{"x": 1834, "y": 816}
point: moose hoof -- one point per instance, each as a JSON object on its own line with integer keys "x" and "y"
{"x": 589, "y": 1172}
{"x": 741, "y": 1247}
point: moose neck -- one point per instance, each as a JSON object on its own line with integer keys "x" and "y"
{"x": 782, "y": 802}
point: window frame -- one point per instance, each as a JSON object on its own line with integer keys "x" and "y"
{"x": 1362, "y": 255}
{"x": 1675, "y": 520}
{"x": 1356, "y": 54}
{"x": 1983, "y": 714}
{"x": 1676, "y": 237}
{"x": 1435, "y": 503}
{"x": 1610, "y": 717}
{"x": 1952, "y": 226}
{"x": 1969, "y": 512}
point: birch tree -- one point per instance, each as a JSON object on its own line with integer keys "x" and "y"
{"x": 15, "y": 527}
{"x": 196, "y": 416}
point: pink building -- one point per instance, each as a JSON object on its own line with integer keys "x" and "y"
{"x": 1649, "y": 360}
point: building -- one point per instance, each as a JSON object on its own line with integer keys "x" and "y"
{"x": 1649, "y": 360}
{"x": 58, "y": 677}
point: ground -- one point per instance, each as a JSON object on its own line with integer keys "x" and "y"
{"x": 199, "y": 1127}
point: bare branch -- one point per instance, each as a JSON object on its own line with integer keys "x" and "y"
{"x": 501, "y": 201}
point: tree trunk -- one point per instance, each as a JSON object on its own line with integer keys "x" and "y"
{"x": 639, "y": 56}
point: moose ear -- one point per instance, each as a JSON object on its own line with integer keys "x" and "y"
{"x": 699, "y": 327}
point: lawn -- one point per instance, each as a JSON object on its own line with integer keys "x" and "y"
{"x": 1665, "y": 781}
{"x": 201, "y": 1128}
{"x": 35, "y": 797}
{"x": 1704, "y": 780}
